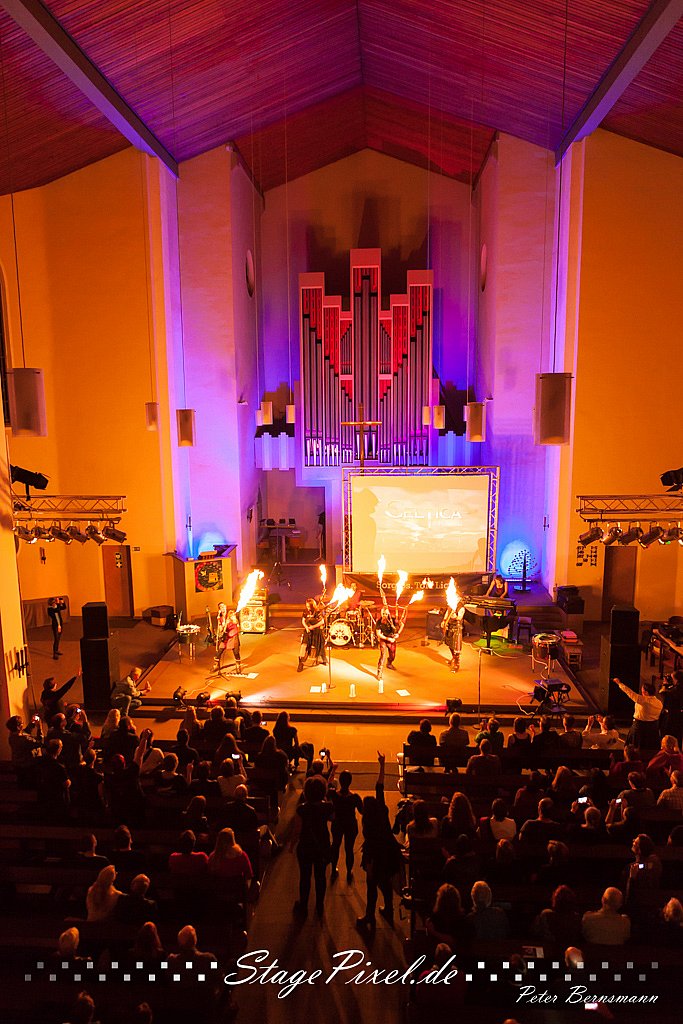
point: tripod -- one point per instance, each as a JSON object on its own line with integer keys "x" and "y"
{"x": 277, "y": 576}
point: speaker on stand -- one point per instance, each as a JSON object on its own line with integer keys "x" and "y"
{"x": 99, "y": 656}
{"x": 620, "y": 657}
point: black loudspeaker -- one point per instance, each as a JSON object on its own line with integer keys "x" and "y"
{"x": 624, "y": 624}
{"x": 433, "y": 628}
{"x": 100, "y": 664}
{"x": 622, "y": 661}
{"x": 95, "y": 620}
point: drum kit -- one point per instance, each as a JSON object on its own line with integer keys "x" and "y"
{"x": 187, "y": 636}
{"x": 351, "y": 628}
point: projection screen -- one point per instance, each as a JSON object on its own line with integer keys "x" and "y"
{"x": 422, "y": 523}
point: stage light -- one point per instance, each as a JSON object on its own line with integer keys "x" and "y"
{"x": 632, "y": 535}
{"x": 111, "y": 533}
{"x": 27, "y": 478}
{"x": 77, "y": 534}
{"x": 42, "y": 534}
{"x": 59, "y": 534}
{"x": 612, "y": 535}
{"x": 673, "y": 479}
{"x": 453, "y": 704}
{"x": 590, "y": 536}
{"x": 94, "y": 534}
{"x": 28, "y": 536}
{"x": 651, "y": 537}
{"x": 673, "y": 534}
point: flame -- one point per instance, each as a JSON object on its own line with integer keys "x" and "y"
{"x": 417, "y": 596}
{"x": 249, "y": 588}
{"x": 381, "y": 568}
{"x": 341, "y": 594}
{"x": 452, "y": 595}
{"x": 323, "y": 575}
{"x": 402, "y": 577}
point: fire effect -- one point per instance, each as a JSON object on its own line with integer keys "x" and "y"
{"x": 417, "y": 596}
{"x": 249, "y": 589}
{"x": 452, "y": 595}
{"x": 381, "y": 569}
{"x": 402, "y": 577}
{"x": 341, "y": 594}
{"x": 323, "y": 575}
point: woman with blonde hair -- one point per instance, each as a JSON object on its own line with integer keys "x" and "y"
{"x": 459, "y": 820}
{"x": 102, "y": 895}
{"x": 229, "y": 860}
{"x": 111, "y": 723}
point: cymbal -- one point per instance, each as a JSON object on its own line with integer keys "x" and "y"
{"x": 367, "y": 604}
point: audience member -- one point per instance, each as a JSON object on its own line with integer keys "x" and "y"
{"x": 638, "y": 795}
{"x": 346, "y": 805}
{"x": 102, "y": 896}
{"x": 257, "y": 732}
{"x": 546, "y": 741}
{"x": 672, "y": 799}
{"x": 644, "y": 732}
{"x": 422, "y": 826}
{"x": 286, "y": 739}
{"x": 484, "y": 764}
{"x": 186, "y": 861}
{"x": 560, "y": 925}
{"x": 570, "y": 737}
{"x": 381, "y": 853}
{"x": 541, "y": 829}
{"x": 184, "y": 752}
{"x": 228, "y": 860}
{"x": 312, "y": 837}
{"x": 448, "y": 922}
{"x": 607, "y": 927}
{"x": 454, "y": 738}
{"x": 489, "y": 923}
{"x": 135, "y": 907}
{"x": 497, "y": 825}
{"x": 51, "y": 696}
{"x": 459, "y": 820}
{"x": 521, "y": 737}
{"x": 607, "y": 735}
{"x": 53, "y": 782}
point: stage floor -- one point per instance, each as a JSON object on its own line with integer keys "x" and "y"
{"x": 421, "y": 682}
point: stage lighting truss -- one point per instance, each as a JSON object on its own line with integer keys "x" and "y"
{"x": 68, "y": 518}
{"x": 646, "y": 519}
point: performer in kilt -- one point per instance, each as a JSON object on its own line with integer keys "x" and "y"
{"x": 388, "y": 630}
{"x": 313, "y": 636}
{"x": 451, "y": 626}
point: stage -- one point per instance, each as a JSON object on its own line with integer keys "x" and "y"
{"x": 420, "y": 684}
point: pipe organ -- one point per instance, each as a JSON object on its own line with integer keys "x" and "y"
{"x": 380, "y": 360}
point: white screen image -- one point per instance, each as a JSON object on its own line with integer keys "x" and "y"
{"x": 420, "y": 524}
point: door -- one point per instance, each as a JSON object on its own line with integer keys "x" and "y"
{"x": 619, "y": 577}
{"x": 118, "y": 580}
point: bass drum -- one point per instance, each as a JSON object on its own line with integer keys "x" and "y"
{"x": 340, "y": 633}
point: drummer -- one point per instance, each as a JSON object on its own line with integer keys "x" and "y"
{"x": 352, "y": 604}
{"x": 498, "y": 587}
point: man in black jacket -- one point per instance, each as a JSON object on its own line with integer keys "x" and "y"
{"x": 51, "y": 697}
{"x": 55, "y": 607}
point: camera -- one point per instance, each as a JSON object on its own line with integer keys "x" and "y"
{"x": 583, "y": 800}
{"x": 235, "y": 757}
{"x": 323, "y": 754}
{"x": 618, "y": 800}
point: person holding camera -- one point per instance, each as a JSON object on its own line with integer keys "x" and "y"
{"x": 25, "y": 743}
{"x": 127, "y": 695}
{"x": 671, "y": 693}
{"x": 55, "y": 607}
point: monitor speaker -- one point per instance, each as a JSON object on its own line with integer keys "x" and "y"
{"x": 254, "y": 618}
{"x": 552, "y": 413}
{"x": 100, "y": 664}
{"x": 623, "y": 662}
{"x": 624, "y": 624}
{"x": 95, "y": 620}
{"x": 434, "y": 619}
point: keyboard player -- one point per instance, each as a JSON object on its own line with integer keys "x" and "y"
{"x": 498, "y": 587}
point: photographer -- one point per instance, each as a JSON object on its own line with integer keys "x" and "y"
{"x": 26, "y": 745}
{"x": 671, "y": 693}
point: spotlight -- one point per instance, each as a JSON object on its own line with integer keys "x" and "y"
{"x": 590, "y": 536}
{"x": 673, "y": 534}
{"x": 59, "y": 534}
{"x": 202, "y": 699}
{"x": 672, "y": 479}
{"x": 40, "y": 533}
{"x": 111, "y": 533}
{"x": 453, "y": 704}
{"x": 179, "y": 697}
{"x": 651, "y": 537}
{"x": 94, "y": 534}
{"x": 28, "y": 536}
{"x": 76, "y": 534}
{"x": 612, "y": 536}
{"x": 635, "y": 533}
{"x": 27, "y": 478}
